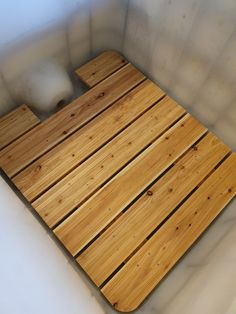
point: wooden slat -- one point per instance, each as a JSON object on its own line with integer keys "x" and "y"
{"x": 100, "y": 67}
{"x": 129, "y": 287}
{"x": 15, "y": 124}
{"x": 47, "y": 134}
{"x": 81, "y": 227}
{"x": 64, "y": 157}
{"x": 84, "y": 180}
{"x": 107, "y": 253}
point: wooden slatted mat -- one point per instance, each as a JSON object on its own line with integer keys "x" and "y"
{"x": 125, "y": 177}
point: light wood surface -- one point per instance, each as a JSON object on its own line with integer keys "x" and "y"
{"x": 124, "y": 176}
{"x": 106, "y": 254}
{"x": 16, "y": 123}
{"x": 47, "y": 134}
{"x": 87, "y": 178}
{"x": 52, "y": 166}
{"x": 100, "y": 67}
{"x": 81, "y": 227}
{"x": 147, "y": 267}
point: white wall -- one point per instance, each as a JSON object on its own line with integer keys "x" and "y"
{"x": 35, "y": 276}
{"x": 31, "y": 31}
{"x": 189, "y": 48}
{"x": 71, "y": 32}
{"x": 108, "y": 22}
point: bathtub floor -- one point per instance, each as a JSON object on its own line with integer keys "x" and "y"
{"x": 67, "y": 166}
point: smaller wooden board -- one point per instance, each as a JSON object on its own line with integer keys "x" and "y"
{"x": 15, "y": 124}
{"x": 100, "y": 67}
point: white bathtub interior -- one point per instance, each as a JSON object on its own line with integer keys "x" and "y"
{"x": 188, "y": 48}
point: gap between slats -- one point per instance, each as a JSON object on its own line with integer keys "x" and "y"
{"x": 102, "y": 58}
{"x": 18, "y": 137}
{"x": 93, "y": 152}
{"x": 118, "y": 171}
{"x": 139, "y": 196}
{"x": 79, "y": 128}
{"x": 15, "y": 119}
{"x": 152, "y": 233}
{"x": 161, "y": 254}
{"x": 67, "y": 109}
{"x": 177, "y": 130}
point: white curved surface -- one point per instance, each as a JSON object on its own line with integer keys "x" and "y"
{"x": 45, "y": 85}
{"x": 35, "y": 276}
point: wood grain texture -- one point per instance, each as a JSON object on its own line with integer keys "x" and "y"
{"x": 87, "y": 178}
{"x": 123, "y": 175}
{"x": 100, "y": 67}
{"x": 129, "y": 287}
{"x": 15, "y": 124}
{"x": 64, "y": 157}
{"x": 47, "y": 134}
{"x": 108, "y": 252}
{"x": 81, "y": 227}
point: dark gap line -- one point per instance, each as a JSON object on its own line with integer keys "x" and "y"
{"x": 192, "y": 146}
{"x": 77, "y": 129}
{"x": 137, "y": 197}
{"x": 150, "y": 185}
{"x": 111, "y": 275}
{"x": 215, "y": 168}
{"x": 98, "y": 235}
{"x": 155, "y": 230}
{"x": 107, "y": 76}
{"x": 188, "y": 196}
{"x": 119, "y": 170}
{"x": 162, "y": 174}
{"x": 19, "y": 136}
{"x": 97, "y": 149}
{"x": 117, "y": 70}
{"x": 194, "y": 243}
